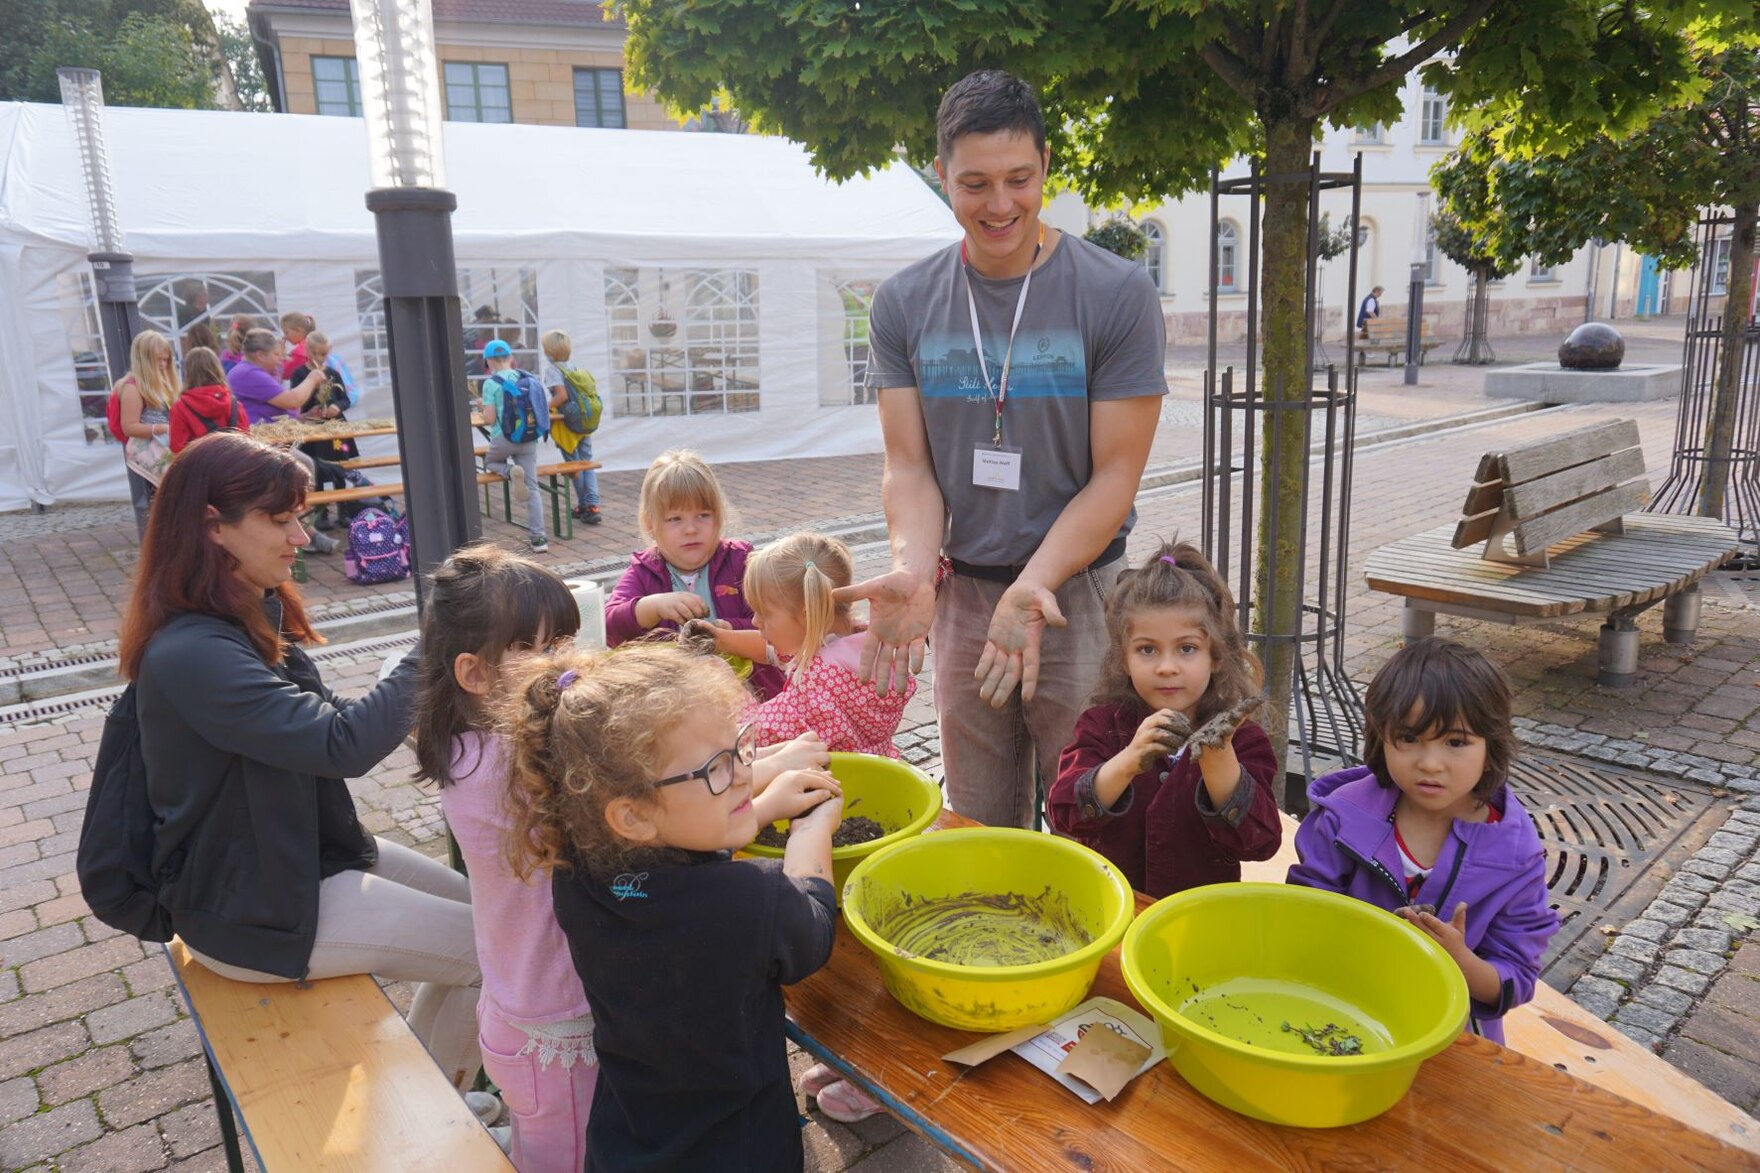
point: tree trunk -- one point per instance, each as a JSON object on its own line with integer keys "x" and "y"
{"x": 1282, "y": 288}
{"x": 1726, "y": 392}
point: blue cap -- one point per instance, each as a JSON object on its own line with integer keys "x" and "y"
{"x": 497, "y": 349}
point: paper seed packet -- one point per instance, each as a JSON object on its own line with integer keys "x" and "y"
{"x": 1094, "y": 1050}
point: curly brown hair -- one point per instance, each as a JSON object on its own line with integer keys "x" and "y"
{"x": 1178, "y": 575}
{"x": 603, "y": 737}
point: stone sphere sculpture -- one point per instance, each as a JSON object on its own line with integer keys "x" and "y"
{"x": 1593, "y": 346}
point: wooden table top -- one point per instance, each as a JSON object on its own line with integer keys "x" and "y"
{"x": 1476, "y": 1105}
{"x": 1658, "y": 555}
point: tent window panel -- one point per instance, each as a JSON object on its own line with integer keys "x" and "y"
{"x": 172, "y": 303}
{"x": 499, "y": 303}
{"x": 598, "y": 98}
{"x": 338, "y": 84}
{"x": 369, "y": 304}
{"x": 85, "y": 341}
{"x": 857, "y": 298}
{"x": 477, "y": 92}
{"x": 721, "y": 341}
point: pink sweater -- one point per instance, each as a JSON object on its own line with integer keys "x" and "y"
{"x": 831, "y": 700}
{"x": 528, "y": 975}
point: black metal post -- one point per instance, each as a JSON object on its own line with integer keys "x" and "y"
{"x": 1414, "y": 324}
{"x": 119, "y": 316}
{"x": 425, "y": 339}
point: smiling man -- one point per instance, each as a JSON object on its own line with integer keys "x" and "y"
{"x": 1020, "y": 375}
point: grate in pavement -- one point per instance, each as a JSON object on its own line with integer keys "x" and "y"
{"x": 1605, "y": 829}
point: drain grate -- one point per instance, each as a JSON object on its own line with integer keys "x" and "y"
{"x": 1604, "y": 829}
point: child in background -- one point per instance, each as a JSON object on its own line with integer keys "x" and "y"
{"x": 1430, "y": 829}
{"x": 505, "y": 382}
{"x": 789, "y": 585}
{"x": 632, "y": 782}
{"x": 233, "y": 354}
{"x": 486, "y": 610}
{"x": 690, "y": 571}
{"x": 329, "y": 398}
{"x": 572, "y": 444}
{"x": 1165, "y": 777}
{"x": 206, "y": 404}
{"x": 294, "y": 328}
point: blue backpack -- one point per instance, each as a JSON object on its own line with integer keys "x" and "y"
{"x": 525, "y": 407}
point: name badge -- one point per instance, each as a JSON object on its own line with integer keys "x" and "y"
{"x": 996, "y": 468}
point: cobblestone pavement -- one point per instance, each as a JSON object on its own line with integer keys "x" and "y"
{"x": 99, "y": 1067}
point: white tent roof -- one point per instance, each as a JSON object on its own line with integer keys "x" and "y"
{"x": 197, "y": 184}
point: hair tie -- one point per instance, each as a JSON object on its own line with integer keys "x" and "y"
{"x": 809, "y": 564}
{"x": 566, "y": 679}
{"x": 1170, "y": 560}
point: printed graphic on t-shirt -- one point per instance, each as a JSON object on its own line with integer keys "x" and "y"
{"x": 1048, "y": 365}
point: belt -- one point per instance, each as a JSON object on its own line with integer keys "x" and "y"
{"x": 1112, "y": 553}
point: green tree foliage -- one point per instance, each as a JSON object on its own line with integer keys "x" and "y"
{"x": 151, "y": 52}
{"x": 1144, "y": 97}
{"x": 241, "y": 61}
{"x": 1117, "y": 234}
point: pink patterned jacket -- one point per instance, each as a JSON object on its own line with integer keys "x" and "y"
{"x": 832, "y": 701}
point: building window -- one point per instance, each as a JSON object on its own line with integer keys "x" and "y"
{"x": 337, "y": 81}
{"x": 1539, "y": 272}
{"x": 1432, "y": 114}
{"x": 477, "y": 93}
{"x": 598, "y": 98}
{"x": 1227, "y": 253}
{"x": 1720, "y": 266}
{"x": 1370, "y": 135}
{"x": 1430, "y": 261}
{"x": 1152, "y": 254}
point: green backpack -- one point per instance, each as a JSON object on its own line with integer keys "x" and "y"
{"x": 582, "y": 409}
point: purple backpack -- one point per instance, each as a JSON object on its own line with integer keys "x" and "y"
{"x": 378, "y": 547}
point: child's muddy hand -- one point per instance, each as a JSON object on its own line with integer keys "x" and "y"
{"x": 1160, "y": 734}
{"x": 1451, "y": 934}
{"x": 678, "y": 607}
{"x": 698, "y": 635}
{"x": 1219, "y": 730}
{"x": 828, "y": 813}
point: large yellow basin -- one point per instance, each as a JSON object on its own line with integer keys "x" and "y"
{"x": 893, "y": 793}
{"x": 1074, "y": 887}
{"x": 1223, "y": 967}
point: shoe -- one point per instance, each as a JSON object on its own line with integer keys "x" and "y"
{"x": 504, "y": 1137}
{"x": 485, "y": 1106}
{"x": 516, "y": 474}
{"x": 540, "y": 543}
{"x": 817, "y": 1078}
{"x": 323, "y": 522}
{"x": 846, "y": 1103}
{"x": 323, "y": 543}
{"x": 592, "y": 515}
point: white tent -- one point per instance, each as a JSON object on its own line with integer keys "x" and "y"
{"x": 715, "y": 285}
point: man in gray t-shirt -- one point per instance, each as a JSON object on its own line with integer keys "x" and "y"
{"x": 1027, "y": 486}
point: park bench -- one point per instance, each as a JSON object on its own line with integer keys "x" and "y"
{"x": 1386, "y": 335}
{"x": 1566, "y": 504}
{"x": 325, "y": 1075}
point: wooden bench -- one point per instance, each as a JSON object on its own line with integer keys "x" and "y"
{"x": 553, "y": 482}
{"x": 325, "y": 1075}
{"x": 1387, "y": 335}
{"x": 1565, "y": 503}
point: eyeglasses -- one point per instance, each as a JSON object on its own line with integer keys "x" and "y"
{"x": 717, "y": 773}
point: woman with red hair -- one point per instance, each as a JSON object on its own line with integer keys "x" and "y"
{"x": 262, "y": 864}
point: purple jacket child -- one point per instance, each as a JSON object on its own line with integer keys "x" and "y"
{"x": 1498, "y": 869}
{"x": 647, "y": 575}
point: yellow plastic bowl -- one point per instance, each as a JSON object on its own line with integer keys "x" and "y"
{"x": 1233, "y": 962}
{"x": 893, "y": 793}
{"x": 989, "y": 861}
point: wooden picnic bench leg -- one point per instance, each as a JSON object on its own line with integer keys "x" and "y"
{"x": 1680, "y": 616}
{"x": 1416, "y": 623}
{"x": 223, "y": 1109}
{"x": 1617, "y": 651}
{"x": 561, "y": 518}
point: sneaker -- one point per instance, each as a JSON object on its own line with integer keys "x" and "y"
{"x": 516, "y": 474}
{"x": 817, "y": 1078}
{"x": 323, "y": 522}
{"x": 592, "y": 515}
{"x": 540, "y": 543}
{"x": 504, "y": 1137}
{"x": 323, "y": 543}
{"x": 485, "y": 1106}
{"x": 846, "y": 1103}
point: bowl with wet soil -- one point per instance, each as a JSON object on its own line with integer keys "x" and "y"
{"x": 987, "y": 928}
{"x": 885, "y": 801}
{"x": 1290, "y": 1004}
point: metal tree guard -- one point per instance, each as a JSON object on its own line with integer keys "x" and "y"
{"x": 1475, "y": 347}
{"x": 1326, "y": 723}
{"x": 1702, "y": 355}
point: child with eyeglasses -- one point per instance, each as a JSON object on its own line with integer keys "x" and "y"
{"x": 632, "y": 783}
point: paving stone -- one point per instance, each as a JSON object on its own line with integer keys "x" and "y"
{"x": 84, "y": 1074}
{"x": 63, "y": 1002}
{"x": 1747, "y": 905}
{"x": 1649, "y": 930}
{"x": 190, "y": 1130}
{"x": 8, "y": 986}
{"x": 1693, "y": 882}
{"x": 42, "y": 943}
{"x": 48, "y": 972}
{"x": 131, "y": 1017}
{"x": 1741, "y": 844}
{"x": 40, "y": 1048}
{"x": 1648, "y": 1018}
{"x": 1684, "y": 980}
{"x": 1697, "y": 960}
{"x": 1597, "y": 995}
{"x": 18, "y": 1099}
{"x": 212, "y": 1161}
{"x": 1710, "y": 940}
{"x": 1636, "y": 948}
{"x": 1647, "y": 1039}
{"x": 1673, "y": 915}
{"x": 1614, "y": 967}
{"x": 1723, "y": 1028}
{"x": 1699, "y": 866}
{"x": 1749, "y": 871}
{"x": 1746, "y": 959}
{"x": 134, "y": 1150}
{"x": 1664, "y": 998}
{"x": 48, "y": 1133}
{"x": 1735, "y": 1079}
{"x": 154, "y": 1093}
{"x": 1722, "y": 855}
{"x": 1739, "y": 993}
{"x": 168, "y": 1044}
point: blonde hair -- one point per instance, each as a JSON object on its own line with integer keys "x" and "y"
{"x": 604, "y": 737}
{"x": 158, "y": 386}
{"x": 317, "y": 341}
{"x": 797, "y": 574}
{"x": 675, "y": 480}
{"x": 557, "y": 347}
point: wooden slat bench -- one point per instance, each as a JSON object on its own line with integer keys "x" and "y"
{"x": 326, "y": 1075}
{"x": 1386, "y": 335}
{"x": 553, "y": 482}
{"x": 1565, "y": 503}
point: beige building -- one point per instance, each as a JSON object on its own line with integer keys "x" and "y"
{"x": 550, "y": 62}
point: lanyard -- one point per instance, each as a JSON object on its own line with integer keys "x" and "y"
{"x": 998, "y": 392}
